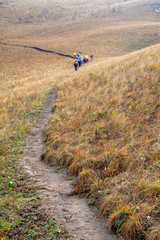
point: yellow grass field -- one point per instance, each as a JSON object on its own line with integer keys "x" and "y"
{"x": 106, "y": 125}
{"x": 26, "y": 76}
{"x": 106, "y": 28}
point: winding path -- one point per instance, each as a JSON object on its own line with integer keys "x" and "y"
{"x": 38, "y": 49}
{"x": 71, "y": 211}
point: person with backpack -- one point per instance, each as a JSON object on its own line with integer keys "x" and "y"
{"x": 74, "y": 55}
{"x": 79, "y": 61}
{"x": 81, "y": 57}
{"x": 87, "y": 58}
{"x": 76, "y": 65}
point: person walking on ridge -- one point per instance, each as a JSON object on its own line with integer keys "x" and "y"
{"x": 79, "y": 61}
{"x": 76, "y": 65}
{"x": 81, "y": 57}
{"x": 74, "y": 55}
{"x": 92, "y": 55}
{"x": 87, "y": 58}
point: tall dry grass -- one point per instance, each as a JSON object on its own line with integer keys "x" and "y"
{"x": 26, "y": 77}
{"x": 106, "y": 130}
{"x": 106, "y": 126}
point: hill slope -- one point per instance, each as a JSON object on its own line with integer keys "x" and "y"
{"x": 106, "y": 129}
{"x": 109, "y": 28}
{"x": 26, "y": 78}
{"x": 110, "y": 112}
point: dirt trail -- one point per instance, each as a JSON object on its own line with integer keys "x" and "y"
{"x": 38, "y": 49}
{"x": 71, "y": 211}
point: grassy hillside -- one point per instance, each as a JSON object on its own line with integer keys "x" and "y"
{"x": 109, "y": 28}
{"x": 106, "y": 130}
{"x": 25, "y": 82}
{"x": 107, "y": 115}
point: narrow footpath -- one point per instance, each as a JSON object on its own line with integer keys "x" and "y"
{"x": 54, "y": 188}
{"x": 38, "y": 49}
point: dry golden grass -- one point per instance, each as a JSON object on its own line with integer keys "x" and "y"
{"x": 106, "y": 126}
{"x": 26, "y": 76}
{"x": 89, "y": 26}
{"x": 106, "y": 129}
{"x": 105, "y": 41}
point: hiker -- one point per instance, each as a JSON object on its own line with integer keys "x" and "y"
{"x": 79, "y": 61}
{"x": 74, "y": 55}
{"x": 87, "y": 58}
{"x": 76, "y": 65}
{"x": 92, "y": 55}
{"x": 77, "y": 55}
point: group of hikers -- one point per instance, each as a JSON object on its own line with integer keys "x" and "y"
{"x": 80, "y": 60}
